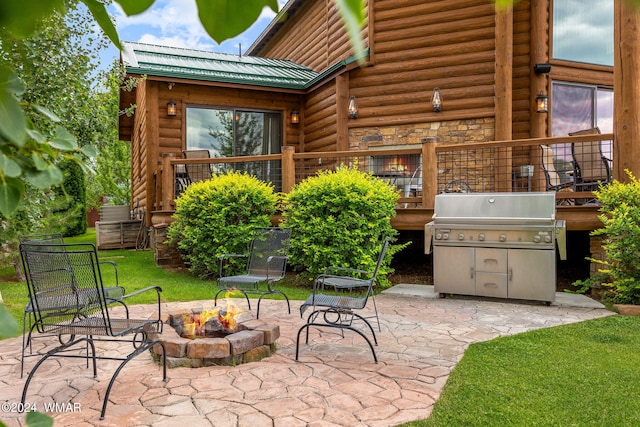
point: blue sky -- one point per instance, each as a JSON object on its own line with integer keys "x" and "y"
{"x": 175, "y": 23}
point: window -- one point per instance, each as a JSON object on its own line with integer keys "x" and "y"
{"x": 583, "y": 31}
{"x": 228, "y": 132}
{"x": 576, "y": 107}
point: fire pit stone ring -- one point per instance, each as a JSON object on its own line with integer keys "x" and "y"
{"x": 250, "y": 340}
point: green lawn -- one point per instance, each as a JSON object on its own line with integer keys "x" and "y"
{"x": 136, "y": 270}
{"x": 583, "y": 374}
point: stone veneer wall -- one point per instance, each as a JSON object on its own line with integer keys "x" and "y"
{"x": 472, "y": 167}
{"x": 454, "y": 131}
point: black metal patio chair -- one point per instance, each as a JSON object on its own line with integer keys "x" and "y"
{"x": 69, "y": 301}
{"x": 337, "y": 294}
{"x": 114, "y": 293}
{"x": 265, "y": 264}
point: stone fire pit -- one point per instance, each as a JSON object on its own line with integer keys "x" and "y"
{"x": 249, "y": 341}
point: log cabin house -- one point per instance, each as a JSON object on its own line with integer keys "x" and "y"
{"x": 451, "y": 96}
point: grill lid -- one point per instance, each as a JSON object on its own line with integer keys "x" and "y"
{"x": 495, "y": 207}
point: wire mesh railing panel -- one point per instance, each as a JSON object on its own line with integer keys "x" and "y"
{"x": 570, "y": 169}
{"x": 269, "y": 171}
{"x": 404, "y": 171}
{"x": 571, "y": 166}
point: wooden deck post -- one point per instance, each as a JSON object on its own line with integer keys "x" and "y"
{"x": 626, "y": 90}
{"x": 504, "y": 94}
{"x": 288, "y": 169}
{"x": 429, "y": 172}
{"x": 167, "y": 181}
{"x": 538, "y": 83}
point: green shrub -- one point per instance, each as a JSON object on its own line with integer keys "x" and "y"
{"x": 74, "y": 209}
{"x": 338, "y": 218}
{"x": 621, "y": 242}
{"x": 218, "y": 217}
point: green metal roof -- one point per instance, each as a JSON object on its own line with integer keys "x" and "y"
{"x": 165, "y": 61}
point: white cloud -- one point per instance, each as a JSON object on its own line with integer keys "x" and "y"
{"x": 176, "y": 23}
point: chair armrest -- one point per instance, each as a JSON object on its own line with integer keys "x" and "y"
{"x": 343, "y": 271}
{"x": 115, "y": 269}
{"x": 114, "y": 293}
{"x": 158, "y": 289}
{"x": 339, "y": 282}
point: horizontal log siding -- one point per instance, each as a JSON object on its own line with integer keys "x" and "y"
{"x": 522, "y": 70}
{"x": 320, "y": 119}
{"x": 338, "y": 44}
{"x": 314, "y": 37}
{"x": 420, "y": 45}
{"x": 302, "y": 38}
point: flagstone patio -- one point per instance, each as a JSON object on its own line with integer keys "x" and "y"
{"x": 335, "y": 382}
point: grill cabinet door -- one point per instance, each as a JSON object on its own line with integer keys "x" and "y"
{"x": 532, "y": 274}
{"x": 453, "y": 270}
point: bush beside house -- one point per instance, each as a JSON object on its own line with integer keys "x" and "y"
{"x": 338, "y": 218}
{"x": 620, "y": 270}
{"x": 218, "y": 216}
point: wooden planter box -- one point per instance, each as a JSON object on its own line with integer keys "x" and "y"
{"x": 115, "y": 213}
{"x": 118, "y": 234}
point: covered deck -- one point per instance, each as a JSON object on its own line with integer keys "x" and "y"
{"x": 420, "y": 171}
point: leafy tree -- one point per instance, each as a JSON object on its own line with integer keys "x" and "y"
{"x": 73, "y": 192}
{"x": 244, "y": 140}
{"x": 28, "y": 154}
{"x": 112, "y": 165}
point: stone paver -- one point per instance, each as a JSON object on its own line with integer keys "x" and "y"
{"x": 335, "y": 382}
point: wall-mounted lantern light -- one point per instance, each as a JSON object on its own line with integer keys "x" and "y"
{"x": 171, "y": 108}
{"x": 294, "y": 117}
{"x": 353, "y": 108}
{"x": 436, "y": 100}
{"x": 542, "y": 103}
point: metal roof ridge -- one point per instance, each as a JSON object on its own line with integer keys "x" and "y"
{"x": 206, "y": 54}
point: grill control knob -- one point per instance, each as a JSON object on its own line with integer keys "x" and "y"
{"x": 547, "y": 239}
{"x": 481, "y": 237}
{"x": 503, "y": 238}
{"x": 460, "y": 236}
{"x": 438, "y": 236}
{"x": 536, "y": 239}
{"x": 445, "y": 236}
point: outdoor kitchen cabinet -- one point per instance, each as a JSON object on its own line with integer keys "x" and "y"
{"x": 525, "y": 274}
{"x": 496, "y": 245}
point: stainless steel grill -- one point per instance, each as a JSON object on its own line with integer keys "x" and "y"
{"x": 497, "y": 245}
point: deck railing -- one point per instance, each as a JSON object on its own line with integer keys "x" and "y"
{"x": 422, "y": 171}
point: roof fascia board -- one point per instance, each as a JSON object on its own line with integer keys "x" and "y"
{"x": 165, "y": 79}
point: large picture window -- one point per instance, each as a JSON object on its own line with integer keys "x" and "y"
{"x": 576, "y": 107}
{"x": 227, "y": 132}
{"x": 583, "y": 31}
